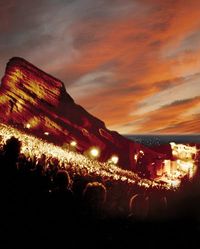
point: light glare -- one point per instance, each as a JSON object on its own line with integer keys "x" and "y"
{"x": 115, "y": 159}
{"x": 73, "y": 143}
{"x": 94, "y": 152}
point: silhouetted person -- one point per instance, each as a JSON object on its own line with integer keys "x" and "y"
{"x": 10, "y": 156}
{"x": 8, "y": 181}
{"x": 94, "y": 197}
{"x": 62, "y": 199}
{"x": 42, "y": 160}
{"x": 62, "y": 180}
{"x": 138, "y": 207}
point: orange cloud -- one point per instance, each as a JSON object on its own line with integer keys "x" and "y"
{"x": 173, "y": 118}
{"x": 117, "y": 57}
{"x": 136, "y": 51}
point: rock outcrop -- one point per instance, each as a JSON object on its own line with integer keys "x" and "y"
{"x": 38, "y": 103}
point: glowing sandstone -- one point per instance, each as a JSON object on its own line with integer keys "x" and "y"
{"x": 38, "y": 103}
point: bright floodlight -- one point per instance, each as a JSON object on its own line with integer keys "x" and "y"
{"x": 136, "y": 157}
{"x": 115, "y": 159}
{"x": 73, "y": 143}
{"x": 94, "y": 152}
{"x": 28, "y": 126}
{"x": 46, "y": 133}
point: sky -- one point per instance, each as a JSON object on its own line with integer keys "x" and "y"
{"x": 135, "y": 64}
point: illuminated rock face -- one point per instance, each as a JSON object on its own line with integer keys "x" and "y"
{"x": 38, "y": 103}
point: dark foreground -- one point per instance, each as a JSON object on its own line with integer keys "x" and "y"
{"x": 43, "y": 206}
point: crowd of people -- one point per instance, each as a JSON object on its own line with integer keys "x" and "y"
{"x": 44, "y": 202}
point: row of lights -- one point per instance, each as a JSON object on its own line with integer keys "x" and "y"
{"x": 28, "y": 126}
{"x": 94, "y": 152}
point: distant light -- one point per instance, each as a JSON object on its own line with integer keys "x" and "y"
{"x": 73, "y": 143}
{"x": 174, "y": 183}
{"x": 141, "y": 152}
{"x": 28, "y": 126}
{"x": 94, "y": 152}
{"x": 115, "y": 159}
{"x": 46, "y": 133}
{"x": 136, "y": 157}
{"x": 172, "y": 144}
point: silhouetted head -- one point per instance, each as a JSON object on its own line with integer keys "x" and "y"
{"x": 12, "y": 148}
{"x": 95, "y": 193}
{"x": 62, "y": 179}
{"x": 42, "y": 159}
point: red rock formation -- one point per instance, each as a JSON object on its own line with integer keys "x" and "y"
{"x": 38, "y": 103}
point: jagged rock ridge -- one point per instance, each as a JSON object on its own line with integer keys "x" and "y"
{"x": 38, "y": 103}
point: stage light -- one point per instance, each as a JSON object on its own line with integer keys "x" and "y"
{"x": 114, "y": 159}
{"x": 28, "y": 126}
{"x": 73, "y": 143}
{"x": 94, "y": 152}
{"x": 46, "y": 133}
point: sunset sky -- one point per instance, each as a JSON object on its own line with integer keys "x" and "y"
{"x": 133, "y": 64}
